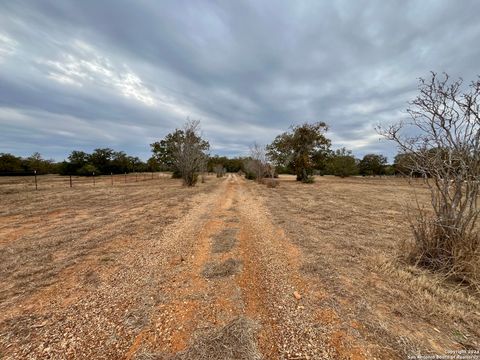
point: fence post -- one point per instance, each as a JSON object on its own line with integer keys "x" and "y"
{"x": 35, "y": 173}
{"x": 125, "y": 177}
{"x": 70, "y": 180}
{"x": 94, "y": 178}
{"x": 111, "y": 175}
{"x": 152, "y": 175}
{"x": 136, "y": 177}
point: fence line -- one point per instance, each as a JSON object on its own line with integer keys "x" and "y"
{"x": 39, "y": 182}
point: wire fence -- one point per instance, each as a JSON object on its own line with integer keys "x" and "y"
{"x": 39, "y": 182}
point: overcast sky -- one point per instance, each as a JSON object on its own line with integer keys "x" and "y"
{"x": 122, "y": 74}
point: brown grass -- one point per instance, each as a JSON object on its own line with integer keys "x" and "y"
{"x": 225, "y": 268}
{"x": 449, "y": 249}
{"x": 82, "y": 261}
{"x": 90, "y": 271}
{"x": 351, "y": 232}
{"x": 45, "y": 232}
{"x": 224, "y": 241}
{"x": 271, "y": 183}
{"x": 234, "y": 341}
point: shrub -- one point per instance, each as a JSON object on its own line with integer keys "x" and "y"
{"x": 308, "y": 180}
{"x": 87, "y": 170}
{"x": 176, "y": 174}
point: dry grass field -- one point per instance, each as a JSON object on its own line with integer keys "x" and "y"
{"x": 230, "y": 269}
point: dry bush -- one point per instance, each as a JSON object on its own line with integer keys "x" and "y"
{"x": 256, "y": 165}
{"x": 456, "y": 253}
{"x": 224, "y": 241}
{"x": 234, "y": 341}
{"x": 445, "y": 151}
{"x": 226, "y": 268}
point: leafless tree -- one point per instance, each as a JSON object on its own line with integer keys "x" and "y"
{"x": 258, "y": 161}
{"x": 446, "y": 152}
{"x": 270, "y": 170}
{"x": 189, "y": 152}
{"x": 219, "y": 170}
{"x": 204, "y": 168}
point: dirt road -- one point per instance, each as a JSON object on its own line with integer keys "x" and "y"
{"x": 227, "y": 270}
{"x": 240, "y": 266}
{"x": 219, "y": 277}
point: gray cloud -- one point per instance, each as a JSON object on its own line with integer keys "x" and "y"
{"x": 85, "y": 74}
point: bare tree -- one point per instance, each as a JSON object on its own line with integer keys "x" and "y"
{"x": 258, "y": 161}
{"x": 446, "y": 152}
{"x": 219, "y": 170}
{"x": 189, "y": 152}
{"x": 204, "y": 168}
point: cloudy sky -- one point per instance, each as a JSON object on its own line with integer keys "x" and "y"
{"x": 121, "y": 74}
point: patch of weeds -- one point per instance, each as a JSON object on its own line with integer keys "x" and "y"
{"x": 224, "y": 241}
{"x": 311, "y": 268}
{"x": 107, "y": 259}
{"x": 236, "y": 340}
{"x": 227, "y": 268}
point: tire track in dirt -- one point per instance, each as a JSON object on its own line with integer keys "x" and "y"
{"x": 194, "y": 302}
{"x": 261, "y": 289}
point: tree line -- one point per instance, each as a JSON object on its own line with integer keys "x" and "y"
{"x": 106, "y": 161}
{"x": 100, "y": 161}
{"x": 16, "y": 165}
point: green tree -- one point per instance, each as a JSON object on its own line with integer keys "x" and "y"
{"x": 136, "y": 164}
{"x": 78, "y": 158}
{"x": 164, "y": 149}
{"x": 372, "y": 164}
{"x": 87, "y": 170}
{"x": 101, "y": 159}
{"x": 342, "y": 163}
{"x": 120, "y": 162}
{"x": 36, "y": 162}
{"x": 152, "y": 164}
{"x": 10, "y": 163}
{"x": 300, "y": 149}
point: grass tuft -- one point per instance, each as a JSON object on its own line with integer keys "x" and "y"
{"x": 227, "y": 268}
{"x": 224, "y": 241}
